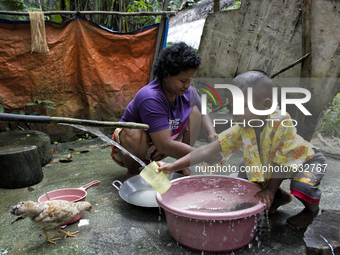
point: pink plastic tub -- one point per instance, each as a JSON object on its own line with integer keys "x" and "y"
{"x": 211, "y": 213}
{"x": 71, "y": 195}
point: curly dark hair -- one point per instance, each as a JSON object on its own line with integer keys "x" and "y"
{"x": 176, "y": 58}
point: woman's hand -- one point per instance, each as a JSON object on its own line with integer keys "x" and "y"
{"x": 265, "y": 196}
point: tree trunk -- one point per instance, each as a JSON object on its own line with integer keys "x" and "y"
{"x": 22, "y": 154}
{"x": 26, "y": 138}
{"x": 216, "y": 5}
{"x": 20, "y": 167}
{"x": 319, "y": 72}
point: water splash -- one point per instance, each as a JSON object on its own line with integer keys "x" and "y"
{"x": 98, "y": 133}
{"x": 267, "y": 218}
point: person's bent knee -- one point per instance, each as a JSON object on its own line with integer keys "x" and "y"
{"x": 132, "y": 138}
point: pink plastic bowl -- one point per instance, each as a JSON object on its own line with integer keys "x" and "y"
{"x": 71, "y": 195}
{"x": 211, "y": 213}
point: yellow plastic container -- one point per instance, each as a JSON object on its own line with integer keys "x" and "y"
{"x": 158, "y": 181}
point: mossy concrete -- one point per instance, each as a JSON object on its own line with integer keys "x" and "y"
{"x": 116, "y": 227}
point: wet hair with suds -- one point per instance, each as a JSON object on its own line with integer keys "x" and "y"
{"x": 175, "y": 59}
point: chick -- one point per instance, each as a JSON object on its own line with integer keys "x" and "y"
{"x": 51, "y": 214}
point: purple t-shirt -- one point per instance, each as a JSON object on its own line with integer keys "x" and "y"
{"x": 150, "y": 106}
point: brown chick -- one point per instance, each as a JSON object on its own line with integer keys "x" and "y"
{"x": 51, "y": 214}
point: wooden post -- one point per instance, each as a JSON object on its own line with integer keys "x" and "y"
{"x": 306, "y": 65}
{"x": 307, "y": 129}
{"x": 216, "y": 5}
{"x": 160, "y": 37}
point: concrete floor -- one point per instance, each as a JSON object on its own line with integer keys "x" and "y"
{"x": 116, "y": 227}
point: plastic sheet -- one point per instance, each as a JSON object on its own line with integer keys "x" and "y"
{"x": 89, "y": 73}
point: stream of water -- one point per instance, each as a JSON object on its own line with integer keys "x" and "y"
{"x": 98, "y": 133}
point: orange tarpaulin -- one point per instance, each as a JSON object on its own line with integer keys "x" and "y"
{"x": 90, "y": 73}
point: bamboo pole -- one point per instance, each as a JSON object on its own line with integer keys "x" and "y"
{"x": 160, "y": 13}
{"x": 56, "y": 120}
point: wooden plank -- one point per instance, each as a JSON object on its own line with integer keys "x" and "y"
{"x": 160, "y": 38}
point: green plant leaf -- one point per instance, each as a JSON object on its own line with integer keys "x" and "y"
{"x": 12, "y": 5}
{"x": 22, "y": 113}
{"x": 236, "y": 6}
{"x": 2, "y": 109}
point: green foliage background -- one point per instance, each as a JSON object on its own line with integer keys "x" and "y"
{"x": 331, "y": 121}
{"x": 124, "y": 24}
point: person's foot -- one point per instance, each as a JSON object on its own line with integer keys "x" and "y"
{"x": 281, "y": 198}
{"x": 302, "y": 220}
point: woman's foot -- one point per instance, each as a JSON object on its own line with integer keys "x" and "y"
{"x": 281, "y": 198}
{"x": 303, "y": 219}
